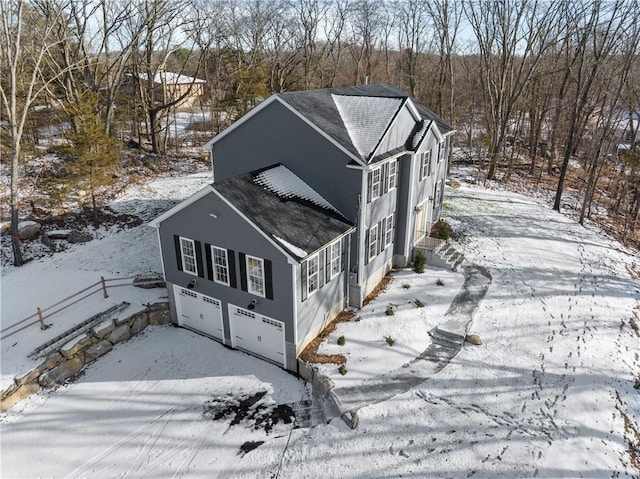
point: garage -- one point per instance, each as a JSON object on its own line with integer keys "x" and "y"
{"x": 257, "y": 334}
{"x": 200, "y": 312}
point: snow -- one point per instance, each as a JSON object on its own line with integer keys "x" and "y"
{"x": 542, "y": 397}
{"x": 284, "y": 183}
{"x": 366, "y": 129}
{"x": 299, "y": 252}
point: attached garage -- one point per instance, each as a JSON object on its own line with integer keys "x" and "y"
{"x": 200, "y": 312}
{"x": 257, "y": 334}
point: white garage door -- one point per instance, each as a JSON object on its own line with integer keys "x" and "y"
{"x": 199, "y": 312}
{"x": 257, "y": 334}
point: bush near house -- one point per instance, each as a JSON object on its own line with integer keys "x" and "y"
{"x": 442, "y": 230}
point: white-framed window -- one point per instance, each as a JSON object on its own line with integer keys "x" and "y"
{"x": 393, "y": 174}
{"x": 313, "y": 274}
{"x": 255, "y": 276}
{"x": 388, "y": 230}
{"x": 374, "y": 190}
{"x": 373, "y": 242}
{"x": 188, "y": 253}
{"x": 336, "y": 258}
{"x": 220, "y": 262}
{"x": 425, "y": 165}
{"x": 440, "y": 151}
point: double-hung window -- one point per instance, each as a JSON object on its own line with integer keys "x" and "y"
{"x": 440, "y": 151}
{"x": 255, "y": 276}
{"x": 425, "y": 165}
{"x": 188, "y": 253}
{"x": 336, "y": 258}
{"x": 373, "y": 242}
{"x": 375, "y": 184}
{"x": 220, "y": 265}
{"x": 313, "y": 274}
{"x": 392, "y": 173}
{"x": 388, "y": 231}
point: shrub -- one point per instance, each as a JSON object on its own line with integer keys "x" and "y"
{"x": 389, "y": 310}
{"x": 390, "y": 341}
{"x": 419, "y": 303}
{"x": 341, "y": 341}
{"x": 439, "y": 282}
{"x": 342, "y": 369}
{"x": 405, "y": 285}
{"x": 442, "y": 230}
{"x": 419, "y": 261}
{"x": 455, "y": 184}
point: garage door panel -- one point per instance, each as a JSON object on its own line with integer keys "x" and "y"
{"x": 257, "y": 334}
{"x": 200, "y": 312}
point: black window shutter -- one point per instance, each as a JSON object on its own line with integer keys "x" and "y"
{"x": 369, "y": 181}
{"x": 303, "y": 280}
{"x": 343, "y": 260}
{"x": 380, "y": 236}
{"x": 384, "y": 173}
{"x": 207, "y": 254}
{"x": 176, "y": 241}
{"x": 231, "y": 261}
{"x": 243, "y": 271}
{"x": 268, "y": 279}
{"x": 327, "y": 256}
{"x": 366, "y": 247}
{"x": 198, "y": 247}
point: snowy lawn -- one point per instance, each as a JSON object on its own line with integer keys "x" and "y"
{"x": 546, "y": 395}
{"x": 418, "y": 303}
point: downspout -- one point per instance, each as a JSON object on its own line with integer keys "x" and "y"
{"x": 348, "y": 270}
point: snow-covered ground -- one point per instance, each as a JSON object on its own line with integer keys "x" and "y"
{"x": 544, "y": 396}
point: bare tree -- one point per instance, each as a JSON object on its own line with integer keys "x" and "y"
{"x": 412, "y": 28}
{"x": 27, "y": 38}
{"x": 512, "y": 37}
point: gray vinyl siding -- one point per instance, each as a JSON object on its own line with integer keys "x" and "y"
{"x": 396, "y": 136}
{"x": 232, "y": 232}
{"x": 276, "y": 135}
{"x": 319, "y": 309}
{"x": 407, "y": 172}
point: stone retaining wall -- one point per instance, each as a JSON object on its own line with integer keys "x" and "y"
{"x": 71, "y": 358}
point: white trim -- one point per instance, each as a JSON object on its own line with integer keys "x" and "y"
{"x": 316, "y": 256}
{"x": 348, "y": 232}
{"x": 214, "y": 265}
{"x": 421, "y": 155}
{"x": 414, "y": 110}
{"x": 388, "y": 230}
{"x": 155, "y": 223}
{"x": 375, "y": 252}
{"x": 294, "y": 307}
{"x": 164, "y": 274}
{"x": 250, "y": 290}
{"x": 332, "y": 259}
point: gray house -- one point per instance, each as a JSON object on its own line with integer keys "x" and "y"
{"x": 316, "y": 195}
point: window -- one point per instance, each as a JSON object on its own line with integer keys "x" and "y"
{"x": 374, "y": 184}
{"x": 336, "y": 258}
{"x": 220, "y": 265}
{"x": 313, "y": 274}
{"x": 440, "y": 151}
{"x": 393, "y": 174}
{"x": 388, "y": 230}
{"x": 255, "y": 276}
{"x": 373, "y": 242}
{"x": 188, "y": 253}
{"x": 425, "y": 165}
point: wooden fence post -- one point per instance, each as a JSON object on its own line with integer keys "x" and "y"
{"x": 42, "y": 325}
{"x": 104, "y": 287}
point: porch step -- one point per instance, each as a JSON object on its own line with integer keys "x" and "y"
{"x": 443, "y": 254}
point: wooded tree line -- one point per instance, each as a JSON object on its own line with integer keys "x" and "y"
{"x": 542, "y": 83}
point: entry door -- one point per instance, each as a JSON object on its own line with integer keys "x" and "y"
{"x": 420, "y": 225}
{"x": 257, "y": 334}
{"x": 200, "y": 312}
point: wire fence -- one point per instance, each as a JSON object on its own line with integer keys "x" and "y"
{"x": 101, "y": 286}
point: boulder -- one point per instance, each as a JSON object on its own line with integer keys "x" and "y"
{"x": 149, "y": 282}
{"x": 138, "y": 324}
{"x": 50, "y": 362}
{"x": 103, "y": 329}
{"x": 58, "y": 234}
{"x": 76, "y": 344}
{"x": 61, "y": 373}
{"x": 473, "y": 339}
{"x": 119, "y": 334}
{"x": 96, "y": 350}
{"x": 28, "y": 229}
{"x": 19, "y": 394}
{"x": 78, "y": 237}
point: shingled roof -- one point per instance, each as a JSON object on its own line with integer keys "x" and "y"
{"x": 332, "y": 112}
{"x": 285, "y": 208}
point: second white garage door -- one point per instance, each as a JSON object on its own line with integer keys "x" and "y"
{"x": 200, "y": 312}
{"x": 257, "y": 334}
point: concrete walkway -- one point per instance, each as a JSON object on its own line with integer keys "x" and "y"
{"x": 447, "y": 338}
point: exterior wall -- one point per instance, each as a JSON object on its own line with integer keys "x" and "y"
{"x": 276, "y": 135}
{"x": 229, "y": 231}
{"x": 396, "y": 136}
{"x": 319, "y": 309}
